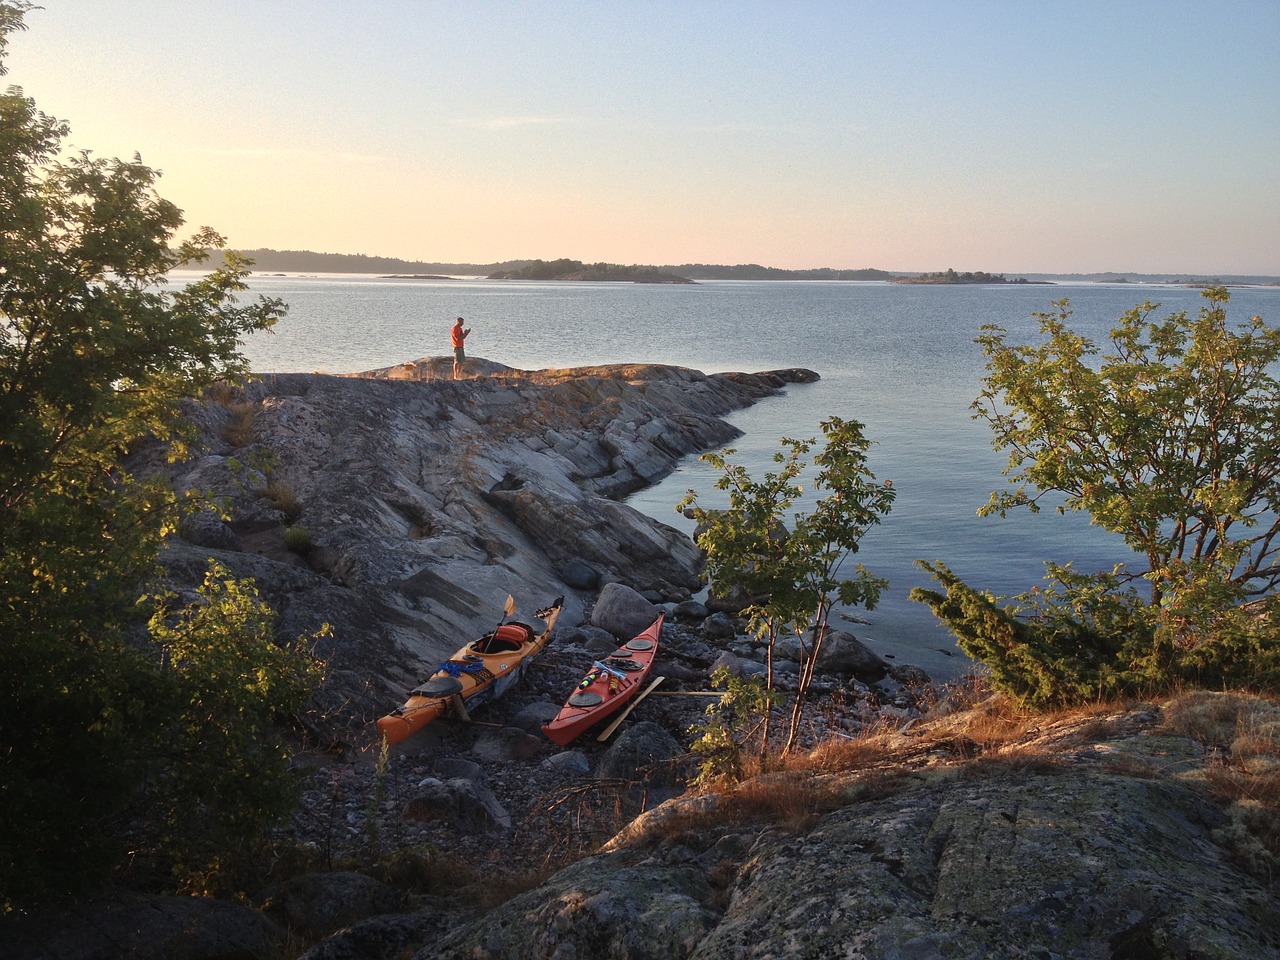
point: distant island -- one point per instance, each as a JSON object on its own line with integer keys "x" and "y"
{"x": 267, "y": 261}
{"x": 951, "y": 277}
{"x": 754, "y": 271}
{"x": 577, "y": 270}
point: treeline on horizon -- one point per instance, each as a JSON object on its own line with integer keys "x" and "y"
{"x": 266, "y": 260}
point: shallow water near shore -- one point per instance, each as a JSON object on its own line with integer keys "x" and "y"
{"x": 900, "y": 359}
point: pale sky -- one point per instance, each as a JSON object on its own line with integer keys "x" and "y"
{"x": 1022, "y": 136}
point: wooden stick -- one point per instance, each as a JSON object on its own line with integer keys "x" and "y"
{"x": 608, "y": 731}
{"x": 689, "y": 693}
{"x": 459, "y": 707}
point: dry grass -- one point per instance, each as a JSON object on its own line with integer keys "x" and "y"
{"x": 240, "y": 431}
{"x": 297, "y": 539}
{"x": 1210, "y": 718}
{"x": 223, "y": 393}
{"x": 1014, "y": 761}
{"x": 1240, "y": 733}
{"x": 838, "y": 755}
{"x": 794, "y": 797}
{"x": 283, "y": 497}
{"x": 793, "y": 800}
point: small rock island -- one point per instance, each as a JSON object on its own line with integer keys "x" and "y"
{"x": 577, "y": 270}
{"x": 951, "y": 277}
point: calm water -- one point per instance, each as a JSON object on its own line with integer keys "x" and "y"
{"x": 901, "y": 359}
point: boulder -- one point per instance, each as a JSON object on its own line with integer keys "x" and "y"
{"x": 622, "y": 611}
{"x": 393, "y": 935}
{"x": 646, "y": 753}
{"x": 1070, "y": 867}
{"x": 507, "y": 743}
{"x": 719, "y": 626}
{"x": 451, "y": 768}
{"x": 1076, "y": 856}
{"x": 316, "y": 904}
{"x": 531, "y": 717}
{"x": 573, "y": 762}
{"x": 690, "y": 610}
{"x": 594, "y": 908}
{"x": 468, "y": 803}
{"x": 738, "y": 666}
{"x": 592, "y": 639}
{"x": 843, "y": 653}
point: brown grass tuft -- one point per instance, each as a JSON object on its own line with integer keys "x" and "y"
{"x": 1241, "y": 736}
{"x": 839, "y": 755}
{"x": 240, "y": 431}
{"x": 283, "y": 497}
{"x": 223, "y": 393}
{"x": 1208, "y": 717}
{"x": 297, "y": 540}
{"x": 1014, "y": 761}
{"x": 793, "y": 800}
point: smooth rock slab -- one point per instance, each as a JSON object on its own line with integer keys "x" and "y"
{"x": 640, "y": 913}
{"x": 1053, "y": 866}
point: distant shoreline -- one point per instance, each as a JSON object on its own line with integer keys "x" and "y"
{"x": 266, "y": 261}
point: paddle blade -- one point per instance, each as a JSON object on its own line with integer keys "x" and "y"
{"x": 509, "y": 608}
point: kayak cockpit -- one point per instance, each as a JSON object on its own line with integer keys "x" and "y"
{"x": 508, "y": 638}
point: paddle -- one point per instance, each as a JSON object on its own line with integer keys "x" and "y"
{"x": 508, "y": 608}
{"x": 608, "y": 731}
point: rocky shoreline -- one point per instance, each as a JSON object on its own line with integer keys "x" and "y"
{"x": 415, "y": 504}
{"x": 921, "y": 826}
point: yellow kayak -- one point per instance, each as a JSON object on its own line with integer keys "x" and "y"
{"x": 481, "y": 671}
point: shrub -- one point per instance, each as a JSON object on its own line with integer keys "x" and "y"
{"x": 1169, "y": 440}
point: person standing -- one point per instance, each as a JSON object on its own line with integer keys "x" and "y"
{"x": 459, "y": 353}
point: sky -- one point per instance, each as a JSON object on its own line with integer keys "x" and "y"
{"x": 1027, "y": 136}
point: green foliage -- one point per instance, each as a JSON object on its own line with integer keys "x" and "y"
{"x": 1079, "y": 639}
{"x": 96, "y": 353}
{"x": 565, "y": 269}
{"x": 1170, "y": 440}
{"x": 297, "y": 539}
{"x": 226, "y": 776}
{"x": 730, "y": 721}
{"x": 792, "y": 578}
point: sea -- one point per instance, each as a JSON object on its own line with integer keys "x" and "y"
{"x": 899, "y": 358}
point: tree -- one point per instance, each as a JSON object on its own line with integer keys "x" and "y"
{"x": 226, "y": 765}
{"x": 96, "y": 355}
{"x": 1170, "y": 440}
{"x": 791, "y": 578}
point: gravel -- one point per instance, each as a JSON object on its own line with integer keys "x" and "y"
{"x": 557, "y": 805}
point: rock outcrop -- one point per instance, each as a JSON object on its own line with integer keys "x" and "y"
{"x": 402, "y": 507}
{"x": 1145, "y": 832}
{"x": 1091, "y": 839}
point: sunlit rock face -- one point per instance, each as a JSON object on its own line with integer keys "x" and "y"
{"x": 402, "y": 507}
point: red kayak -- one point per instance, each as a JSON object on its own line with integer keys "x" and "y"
{"x": 607, "y": 687}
